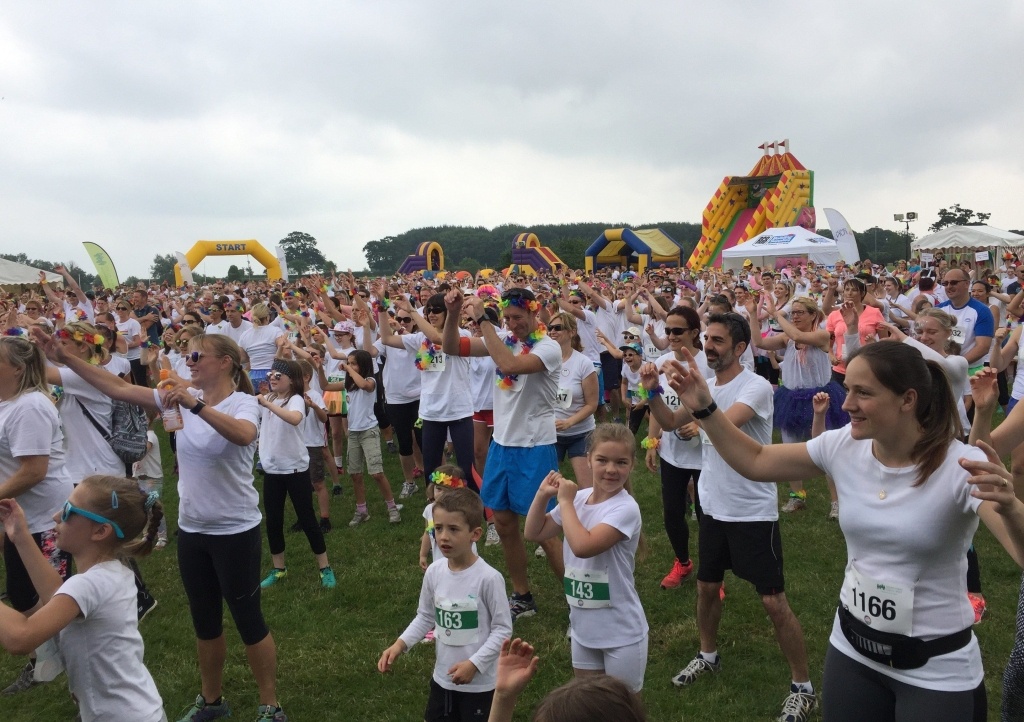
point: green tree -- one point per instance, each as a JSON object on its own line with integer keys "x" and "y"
{"x": 162, "y": 269}
{"x": 468, "y": 264}
{"x": 235, "y": 273}
{"x": 302, "y": 253}
{"x": 955, "y": 215}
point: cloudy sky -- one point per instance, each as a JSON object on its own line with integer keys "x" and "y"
{"x": 147, "y": 126}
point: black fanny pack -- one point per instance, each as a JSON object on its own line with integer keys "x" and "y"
{"x": 897, "y": 650}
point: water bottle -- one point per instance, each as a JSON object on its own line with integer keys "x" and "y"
{"x": 171, "y": 416}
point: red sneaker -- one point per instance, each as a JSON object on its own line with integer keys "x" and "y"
{"x": 675, "y": 577}
{"x": 978, "y": 604}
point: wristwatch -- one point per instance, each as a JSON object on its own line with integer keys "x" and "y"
{"x": 200, "y": 406}
{"x": 703, "y": 413}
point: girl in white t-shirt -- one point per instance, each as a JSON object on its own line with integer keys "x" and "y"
{"x": 285, "y": 460}
{"x": 602, "y": 534}
{"x": 94, "y": 611}
{"x": 260, "y": 344}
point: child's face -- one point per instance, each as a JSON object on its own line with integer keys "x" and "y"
{"x": 452, "y": 533}
{"x": 631, "y": 359}
{"x": 611, "y": 463}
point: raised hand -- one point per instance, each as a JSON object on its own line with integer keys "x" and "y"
{"x": 567, "y": 490}
{"x": 851, "y": 317}
{"x": 549, "y": 486}
{"x": 991, "y": 480}
{"x": 516, "y": 667}
{"x": 13, "y": 518}
{"x": 649, "y": 376}
{"x": 985, "y": 388}
{"x": 820, "y": 402}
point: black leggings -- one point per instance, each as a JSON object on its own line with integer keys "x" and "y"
{"x": 434, "y": 437}
{"x": 673, "y": 500}
{"x": 853, "y": 692}
{"x": 403, "y": 418}
{"x": 297, "y": 486}
{"x": 20, "y": 589}
{"x": 138, "y": 373}
{"x": 636, "y": 415}
{"x": 219, "y": 568}
{"x": 973, "y": 571}
{"x": 380, "y": 409}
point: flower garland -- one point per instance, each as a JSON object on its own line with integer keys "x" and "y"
{"x": 530, "y": 305}
{"x": 92, "y": 339}
{"x": 439, "y": 478}
{"x": 15, "y": 332}
{"x": 507, "y": 381}
{"x": 650, "y": 443}
{"x": 427, "y": 355}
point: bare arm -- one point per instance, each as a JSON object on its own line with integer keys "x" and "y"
{"x": 292, "y": 417}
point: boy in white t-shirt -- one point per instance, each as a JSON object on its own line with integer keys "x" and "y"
{"x": 465, "y": 598}
{"x": 149, "y": 473}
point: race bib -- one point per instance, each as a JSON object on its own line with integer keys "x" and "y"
{"x": 587, "y": 588}
{"x": 336, "y": 378}
{"x": 880, "y": 605}
{"x": 958, "y": 334}
{"x": 457, "y": 621}
{"x": 704, "y": 438}
{"x": 564, "y": 399}
{"x": 436, "y": 364}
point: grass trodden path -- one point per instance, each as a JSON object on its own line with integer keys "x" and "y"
{"x": 328, "y": 642}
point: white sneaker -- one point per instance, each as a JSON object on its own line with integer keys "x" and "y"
{"x": 697, "y": 667}
{"x": 797, "y": 707}
{"x": 492, "y": 536}
{"x": 795, "y": 503}
{"x": 833, "y": 512}
{"x": 359, "y": 518}
{"x": 540, "y": 553}
{"x": 394, "y": 516}
{"x": 409, "y": 488}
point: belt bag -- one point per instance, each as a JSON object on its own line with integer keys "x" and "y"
{"x": 897, "y": 650}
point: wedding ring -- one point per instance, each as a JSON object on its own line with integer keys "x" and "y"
{"x": 1005, "y": 483}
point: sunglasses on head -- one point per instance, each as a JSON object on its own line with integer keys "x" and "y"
{"x": 676, "y": 330}
{"x": 70, "y": 509}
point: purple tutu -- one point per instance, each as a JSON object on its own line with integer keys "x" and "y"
{"x": 794, "y": 413}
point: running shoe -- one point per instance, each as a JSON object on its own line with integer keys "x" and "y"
{"x": 25, "y": 680}
{"x": 327, "y": 579}
{"x": 978, "y": 605}
{"x": 796, "y": 503}
{"x": 797, "y": 707}
{"x": 833, "y": 511}
{"x": 521, "y": 606}
{"x": 359, "y": 518}
{"x": 492, "y": 536}
{"x": 697, "y": 667}
{"x": 337, "y": 489}
{"x": 391, "y": 446}
{"x": 273, "y": 577}
{"x": 146, "y": 604}
{"x": 540, "y": 553}
{"x": 202, "y": 711}
{"x": 270, "y": 713}
{"x": 409, "y": 488}
{"x": 394, "y": 516}
{"x": 679, "y": 573}
{"x": 161, "y": 542}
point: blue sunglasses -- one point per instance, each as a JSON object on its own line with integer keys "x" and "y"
{"x": 68, "y": 510}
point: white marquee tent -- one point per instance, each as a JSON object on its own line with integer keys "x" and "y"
{"x": 968, "y": 237}
{"x": 17, "y": 274}
{"x": 790, "y": 242}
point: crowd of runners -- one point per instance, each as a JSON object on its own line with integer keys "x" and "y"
{"x": 883, "y": 380}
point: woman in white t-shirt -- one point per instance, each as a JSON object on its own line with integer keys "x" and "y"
{"x": 31, "y": 469}
{"x": 131, "y": 331}
{"x": 219, "y": 540}
{"x": 902, "y": 634}
{"x": 260, "y": 344}
{"x": 94, "y": 611}
{"x": 577, "y": 399}
{"x": 285, "y": 462}
{"x": 602, "y": 534}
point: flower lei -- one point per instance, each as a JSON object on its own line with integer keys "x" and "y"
{"x": 15, "y": 332}
{"x": 507, "y": 381}
{"x": 439, "y": 478}
{"x": 93, "y": 339}
{"x": 427, "y": 354}
{"x": 650, "y": 443}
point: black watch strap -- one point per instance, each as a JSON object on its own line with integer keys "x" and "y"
{"x": 706, "y": 412}
{"x": 198, "y": 407}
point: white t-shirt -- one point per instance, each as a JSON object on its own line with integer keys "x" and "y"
{"x": 30, "y": 426}
{"x": 360, "y": 409}
{"x": 131, "y": 330}
{"x": 524, "y": 416}
{"x": 311, "y": 428}
{"x": 623, "y": 623}
{"x": 150, "y": 465}
{"x": 400, "y": 376}
{"x": 915, "y": 538}
{"x": 102, "y": 649}
{"x": 118, "y": 365}
{"x": 680, "y": 453}
{"x": 215, "y": 482}
{"x": 88, "y": 452}
{"x": 569, "y": 399}
{"x": 481, "y": 586}
{"x": 260, "y": 342}
{"x": 282, "y": 449}
{"x": 586, "y": 327}
{"x": 445, "y": 392}
{"x": 235, "y": 334}
{"x": 727, "y": 495}
{"x": 482, "y": 372}
{"x": 611, "y": 319}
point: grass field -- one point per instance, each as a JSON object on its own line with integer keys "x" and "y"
{"x": 329, "y": 641}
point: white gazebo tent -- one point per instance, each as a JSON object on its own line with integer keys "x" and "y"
{"x": 15, "y": 275}
{"x": 789, "y": 242}
{"x": 969, "y": 238}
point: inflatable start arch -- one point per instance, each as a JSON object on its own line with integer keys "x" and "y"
{"x": 250, "y": 247}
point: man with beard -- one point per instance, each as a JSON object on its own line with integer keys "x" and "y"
{"x": 739, "y": 528}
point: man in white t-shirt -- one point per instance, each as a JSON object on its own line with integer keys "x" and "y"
{"x": 522, "y": 451}
{"x": 739, "y": 529}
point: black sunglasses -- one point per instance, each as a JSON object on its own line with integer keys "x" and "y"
{"x": 404, "y": 319}
{"x": 676, "y": 330}
{"x": 556, "y": 327}
{"x": 432, "y": 309}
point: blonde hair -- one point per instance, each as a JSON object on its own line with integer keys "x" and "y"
{"x": 568, "y": 322}
{"x": 947, "y": 321}
{"x": 121, "y": 501}
{"x": 260, "y": 314}
{"x": 21, "y": 353}
{"x": 217, "y": 344}
{"x": 98, "y": 353}
{"x": 811, "y": 307}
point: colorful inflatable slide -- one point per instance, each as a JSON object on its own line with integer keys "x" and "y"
{"x": 637, "y": 250}
{"x": 428, "y": 257}
{"x": 531, "y": 258}
{"x": 779, "y": 191}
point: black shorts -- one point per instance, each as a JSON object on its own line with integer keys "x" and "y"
{"x": 445, "y": 705}
{"x": 752, "y": 549}
{"x": 612, "y": 368}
